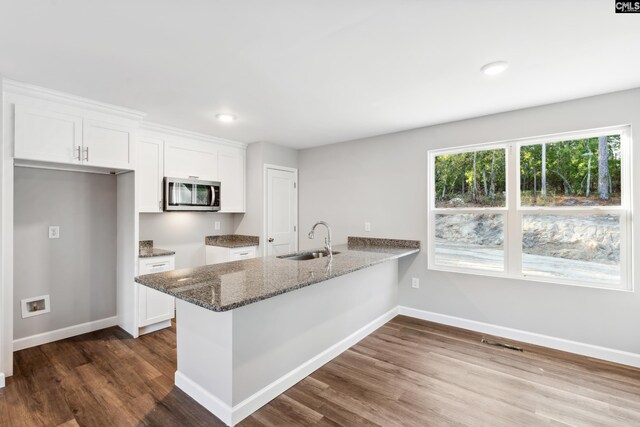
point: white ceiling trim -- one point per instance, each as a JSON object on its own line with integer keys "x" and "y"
{"x": 183, "y": 133}
{"x": 26, "y": 89}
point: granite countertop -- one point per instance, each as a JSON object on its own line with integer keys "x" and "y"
{"x": 232, "y": 241}
{"x": 146, "y": 253}
{"x": 146, "y": 250}
{"x": 222, "y": 287}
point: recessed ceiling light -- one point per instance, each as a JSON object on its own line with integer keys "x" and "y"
{"x": 225, "y": 117}
{"x": 494, "y": 68}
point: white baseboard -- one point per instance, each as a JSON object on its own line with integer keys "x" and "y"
{"x": 203, "y": 397}
{"x": 232, "y": 416}
{"x": 268, "y": 393}
{"x": 2, "y": 380}
{"x": 60, "y": 334}
{"x": 604, "y": 353}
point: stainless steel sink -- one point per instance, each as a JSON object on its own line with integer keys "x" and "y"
{"x": 303, "y": 256}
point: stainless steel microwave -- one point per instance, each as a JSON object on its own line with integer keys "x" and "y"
{"x": 191, "y": 195}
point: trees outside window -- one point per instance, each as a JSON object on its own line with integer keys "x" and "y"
{"x": 546, "y": 209}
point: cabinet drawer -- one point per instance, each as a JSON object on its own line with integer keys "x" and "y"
{"x": 156, "y": 264}
{"x": 242, "y": 253}
{"x": 157, "y": 268}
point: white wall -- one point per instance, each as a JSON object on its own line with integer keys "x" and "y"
{"x": 78, "y": 270}
{"x": 184, "y": 233}
{"x": 259, "y": 154}
{"x": 383, "y": 180}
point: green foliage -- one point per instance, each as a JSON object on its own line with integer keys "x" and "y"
{"x": 571, "y": 171}
{"x": 454, "y": 178}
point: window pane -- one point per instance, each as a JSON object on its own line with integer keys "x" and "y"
{"x": 472, "y": 179}
{"x": 579, "y": 172}
{"x": 470, "y": 241}
{"x": 582, "y": 248}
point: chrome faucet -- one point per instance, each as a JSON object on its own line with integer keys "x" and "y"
{"x": 327, "y": 241}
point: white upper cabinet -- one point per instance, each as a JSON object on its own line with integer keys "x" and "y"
{"x": 164, "y": 151}
{"x": 149, "y": 174}
{"x": 46, "y": 135}
{"x": 85, "y": 135}
{"x": 231, "y": 174}
{"x": 107, "y": 145}
{"x": 187, "y": 159}
{"x": 53, "y": 127}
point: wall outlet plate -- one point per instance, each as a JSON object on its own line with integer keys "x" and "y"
{"x": 54, "y": 231}
{"x": 415, "y": 283}
{"x": 216, "y": 225}
{"x": 367, "y": 226}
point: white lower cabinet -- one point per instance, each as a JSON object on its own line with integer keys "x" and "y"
{"x": 218, "y": 254}
{"x": 155, "y": 309}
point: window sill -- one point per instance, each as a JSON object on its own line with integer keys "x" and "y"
{"x": 533, "y": 279}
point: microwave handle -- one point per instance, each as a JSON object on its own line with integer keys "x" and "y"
{"x": 213, "y": 195}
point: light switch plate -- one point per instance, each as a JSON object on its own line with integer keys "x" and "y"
{"x": 54, "y": 231}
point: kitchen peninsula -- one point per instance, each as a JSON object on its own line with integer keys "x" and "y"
{"x": 248, "y": 330}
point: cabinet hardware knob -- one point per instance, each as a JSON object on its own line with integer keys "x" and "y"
{"x": 270, "y": 239}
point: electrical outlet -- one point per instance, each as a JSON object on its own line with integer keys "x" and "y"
{"x": 217, "y": 225}
{"x": 415, "y": 283}
{"x": 54, "y": 231}
{"x": 367, "y": 226}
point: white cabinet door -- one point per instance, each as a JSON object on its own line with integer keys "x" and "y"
{"x": 154, "y": 306}
{"x": 231, "y": 174}
{"x": 184, "y": 160}
{"x": 107, "y": 145}
{"x": 149, "y": 174}
{"x": 46, "y": 135}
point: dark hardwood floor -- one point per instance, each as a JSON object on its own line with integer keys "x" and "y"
{"x": 409, "y": 372}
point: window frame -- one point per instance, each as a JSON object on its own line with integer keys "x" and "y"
{"x": 514, "y": 212}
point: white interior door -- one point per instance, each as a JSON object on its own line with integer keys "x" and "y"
{"x": 281, "y": 211}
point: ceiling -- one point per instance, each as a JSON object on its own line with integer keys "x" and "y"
{"x": 304, "y": 73}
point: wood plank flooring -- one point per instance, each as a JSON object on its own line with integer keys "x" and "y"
{"x": 409, "y": 372}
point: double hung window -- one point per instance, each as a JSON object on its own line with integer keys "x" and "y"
{"x": 553, "y": 209}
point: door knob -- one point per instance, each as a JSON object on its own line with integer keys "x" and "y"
{"x": 270, "y": 239}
